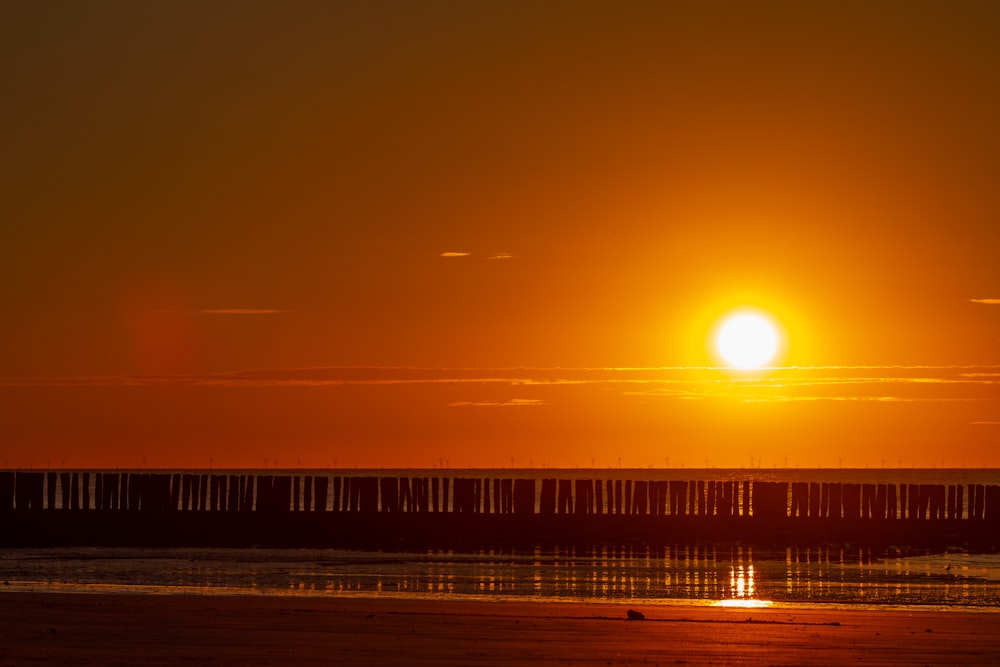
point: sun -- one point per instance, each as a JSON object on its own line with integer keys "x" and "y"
{"x": 747, "y": 340}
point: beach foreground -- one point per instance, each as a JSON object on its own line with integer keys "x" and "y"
{"x": 85, "y": 628}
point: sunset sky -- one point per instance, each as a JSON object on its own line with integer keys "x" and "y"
{"x": 498, "y": 233}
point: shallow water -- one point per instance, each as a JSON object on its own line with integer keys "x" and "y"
{"x": 692, "y": 575}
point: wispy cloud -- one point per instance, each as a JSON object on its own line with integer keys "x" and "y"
{"x": 242, "y": 311}
{"x": 876, "y": 384}
{"x": 991, "y": 302}
{"x": 512, "y": 403}
{"x": 502, "y": 255}
{"x": 455, "y": 254}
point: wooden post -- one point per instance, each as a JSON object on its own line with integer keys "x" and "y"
{"x": 64, "y": 488}
{"x": 507, "y": 496}
{"x": 851, "y": 498}
{"x": 321, "y": 489}
{"x": 618, "y": 497}
{"x": 50, "y": 490}
{"x": 445, "y": 483}
{"x": 800, "y": 499}
{"x": 991, "y": 503}
{"x": 74, "y": 492}
{"x": 746, "y": 499}
{"x": 815, "y": 496}
{"x": 959, "y": 502}
{"x": 524, "y": 496}
{"x": 435, "y": 494}
{"x": 7, "y": 491}
{"x": 389, "y": 488}
{"x": 836, "y": 504}
{"x": 881, "y": 500}
{"x": 248, "y": 493}
{"x": 678, "y": 498}
{"x": 640, "y": 498}
{"x": 584, "y": 496}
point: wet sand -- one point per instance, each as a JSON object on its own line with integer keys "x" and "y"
{"x": 85, "y": 628}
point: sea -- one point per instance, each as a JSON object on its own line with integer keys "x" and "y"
{"x": 949, "y": 578}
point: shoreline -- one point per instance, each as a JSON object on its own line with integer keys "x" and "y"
{"x": 133, "y": 629}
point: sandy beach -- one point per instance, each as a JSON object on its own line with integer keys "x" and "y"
{"x": 84, "y": 628}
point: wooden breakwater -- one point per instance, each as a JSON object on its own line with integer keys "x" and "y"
{"x": 148, "y": 508}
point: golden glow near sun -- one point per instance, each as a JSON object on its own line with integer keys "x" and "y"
{"x": 747, "y": 340}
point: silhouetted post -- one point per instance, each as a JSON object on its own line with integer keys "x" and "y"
{"x": 497, "y": 495}
{"x": 6, "y": 491}
{"x": 296, "y": 493}
{"x": 800, "y": 499}
{"x": 728, "y": 500}
{"x": 564, "y": 499}
{"x": 283, "y": 493}
{"x": 640, "y": 498}
{"x": 991, "y": 503}
{"x": 113, "y": 488}
{"x": 628, "y": 497}
{"x": 218, "y": 483}
{"x": 959, "y": 501}
{"x": 421, "y": 494}
{"x": 203, "y": 493}
{"x": 881, "y": 501}
{"x": 477, "y": 495}
{"x": 50, "y": 490}
{"x": 618, "y": 497}
{"x": 951, "y": 502}
{"x": 307, "y": 493}
{"x": 486, "y": 492}
{"x": 185, "y": 492}
{"x": 233, "y": 494}
{"x": 29, "y": 491}
{"x": 937, "y": 501}
{"x": 924, "y": 501}
{"x": 435, "y": 494}
{"x": 445, "y": 482}
{"x": 98, "y": 491}
{"x": 678, "y": 498}
{"x": 524, "y": 496}
{"x": 747, "y": 507}
{"x": 658, "y": 497}
{"x": 321, "y": 491}
{"x": 339, "y": 486}
{"x": 868, "y": 493}
{"x": 598, "y": 497}
{"x": 74, "y": 492}
{"x": 836, "y": 504}
{"x": 609, "y": 496}
{"x": 63, "y": 488}
{"x": 584, "y": 496}
{"x": 980, "y": 501}
{"x": 175, "y": 490}
{"x": 547, "y": 501}
{"x": 390, "y": 494}
{"x": 913, "y": 502}
{"x": 507, "y": 496}
{"x": 852, "y": 500}
{"x": 248, "y": 493}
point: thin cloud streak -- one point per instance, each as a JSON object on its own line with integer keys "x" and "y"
{"x": 990, "y": 302}
{"x": 512, "y": 403}
{"x": 826, "y": 383}
{"x": 455, "y": 254}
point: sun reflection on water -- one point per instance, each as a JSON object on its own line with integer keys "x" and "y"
{"x": 742, "y": 589}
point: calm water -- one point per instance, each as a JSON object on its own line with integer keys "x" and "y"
{"x": 695, "y": 575}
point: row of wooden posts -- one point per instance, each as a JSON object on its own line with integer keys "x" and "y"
{"x": 140, "y": 491}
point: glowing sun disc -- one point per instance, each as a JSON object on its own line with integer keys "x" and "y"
{"x": 747, "y": 341}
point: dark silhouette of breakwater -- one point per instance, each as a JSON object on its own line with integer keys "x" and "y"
{"x": 187, "y": 509}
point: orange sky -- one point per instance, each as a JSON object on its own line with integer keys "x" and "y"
{"x": 397, "y": 234}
